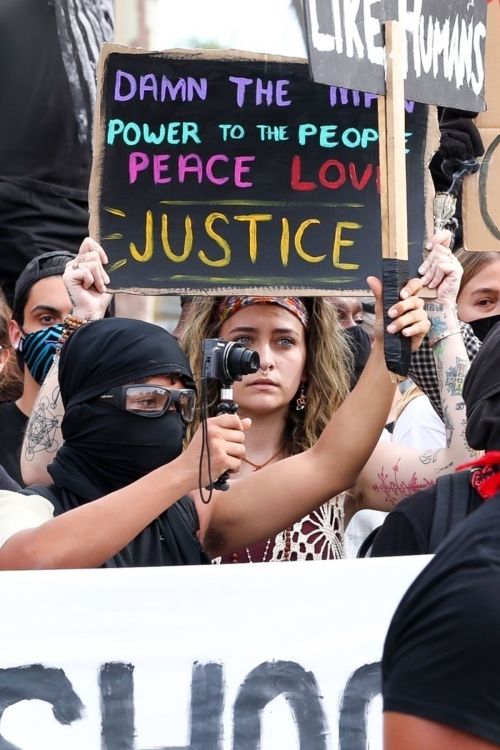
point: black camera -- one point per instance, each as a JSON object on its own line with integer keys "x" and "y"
{"x": 228, "y": 361}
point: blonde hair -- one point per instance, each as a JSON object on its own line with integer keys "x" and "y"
{"x": 329, "y": 365}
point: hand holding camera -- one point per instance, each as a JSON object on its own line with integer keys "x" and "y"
{"x": 227, "y": 361}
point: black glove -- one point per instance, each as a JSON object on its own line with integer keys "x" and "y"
{"x": 459, "y": 147}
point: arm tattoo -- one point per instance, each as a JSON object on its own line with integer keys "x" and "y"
{"x": 394, "y": 488}
{"x": 455, "y": 377}
{"x": 438, "y": 325}
{"x": 40, "y": 435}
{"x": 448, "y": 424}
{"x": 430, "y": 457}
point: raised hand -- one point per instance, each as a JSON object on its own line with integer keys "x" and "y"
{"x": 408, "y": 315}
{"x": 85, "y": 279}
{"x": 441, "y": 270}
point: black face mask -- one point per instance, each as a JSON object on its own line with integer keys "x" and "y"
{"x": 106, "y": 449}
{"x": 481, "y": 394}
{"x": 38, "y": 350}
{"x": 483, "y": 326}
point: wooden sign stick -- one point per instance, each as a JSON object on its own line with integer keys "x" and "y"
{"x": 391, "y": 118}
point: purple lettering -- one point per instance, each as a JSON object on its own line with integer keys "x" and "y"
{"x": 190, "y": 163}
{"x": 138, "y": 161}
{"x": 159, "y": 167}
{"x": 209, "y": 169}
{"x": 120, "y": 96}
{"x": 148, "y": 85}
{"x": 241, "y": 168}
{"x": 241, "y": 84}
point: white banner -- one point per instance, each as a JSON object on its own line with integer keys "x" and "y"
{"x": 234, "y": 657}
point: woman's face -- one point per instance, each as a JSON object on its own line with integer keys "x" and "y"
{"x": 280, "y": 339}
{"x": 480, "y": 297}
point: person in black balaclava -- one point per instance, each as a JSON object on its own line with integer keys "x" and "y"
{"x": 106, "y": 448}
{"x": 121, "y": 480}
{"x": 441, "y": 662}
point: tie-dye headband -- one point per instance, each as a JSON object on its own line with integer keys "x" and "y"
{"x": 230, "y": 305}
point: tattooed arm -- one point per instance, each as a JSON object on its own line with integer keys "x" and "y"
{"x": 85, "y": 280}
{"x": 393, "y": 472}
{"x": 43, "y": 434}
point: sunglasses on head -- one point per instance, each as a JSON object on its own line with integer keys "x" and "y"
{"x": 151, "y": 400}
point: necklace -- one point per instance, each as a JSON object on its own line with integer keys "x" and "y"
{"x": 257, "y": 467}
{"x": 288, "y": 532}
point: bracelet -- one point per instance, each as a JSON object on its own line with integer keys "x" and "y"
{"x": 71, "y": 323}
{"x": 444, "y": 335}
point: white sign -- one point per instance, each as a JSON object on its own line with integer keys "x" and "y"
{"x": 202, "y": 658}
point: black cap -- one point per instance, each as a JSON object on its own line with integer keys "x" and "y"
{"x": 41, "y": 267}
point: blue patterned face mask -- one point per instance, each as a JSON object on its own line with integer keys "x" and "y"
{"x": 38, "y": 350}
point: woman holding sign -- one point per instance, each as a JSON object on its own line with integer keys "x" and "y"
{"x": 303, "y": 380}
{"x": 123, "y": 490}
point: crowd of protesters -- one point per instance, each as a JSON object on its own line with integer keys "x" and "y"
{"x": 110, "y": 449}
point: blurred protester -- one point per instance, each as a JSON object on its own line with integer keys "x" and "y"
{"x": 479, "y": 295}
{"x": 48, "y": 54}
{"x": 350, "y": 316}
{"x": 11, "y": 379}
{"x": 41, "y": 303}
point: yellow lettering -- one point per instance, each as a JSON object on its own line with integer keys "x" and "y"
{"x": 224, "y": 244}
{"x": 298, "y": 242}
{"x": 188, "y": 240}
{"x": 339, "y": 243}
{"x": 252, "y": 230}
{"x": 147, "y": 254}
{"x": 285, "y": 242}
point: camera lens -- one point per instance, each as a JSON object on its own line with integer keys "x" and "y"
{"x": 240, "y": 361}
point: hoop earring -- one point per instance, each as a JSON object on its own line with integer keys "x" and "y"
{"x": 301, "y": 400}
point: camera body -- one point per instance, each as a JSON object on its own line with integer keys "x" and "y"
{"x": 227, "y": 361}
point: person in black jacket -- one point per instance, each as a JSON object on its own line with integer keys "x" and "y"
{"x": 441, "y": 662}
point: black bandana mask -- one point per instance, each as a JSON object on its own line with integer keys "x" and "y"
{"x": 106, "y": 448}
{"x": 481, "y": 395}
{"x": 482, "y": 326}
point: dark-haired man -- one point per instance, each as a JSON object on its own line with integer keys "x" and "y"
{"x": 41, "y": 303}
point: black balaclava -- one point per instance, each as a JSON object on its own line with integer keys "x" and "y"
{"x": 481, "y": 394}
{"x": 106, "y": 448}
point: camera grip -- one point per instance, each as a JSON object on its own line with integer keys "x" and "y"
{"x": 222, "y": 483}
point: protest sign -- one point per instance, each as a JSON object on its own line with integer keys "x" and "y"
{"x": 442, "y": 59}
{"x": 199, "y": 658}
{"x": 216, "y": 171}
{"x": 480, "y": 206}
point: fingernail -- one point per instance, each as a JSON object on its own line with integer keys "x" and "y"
{"x": 428, "y": 245}
{"x": 405, "y": 293}
{"x": 106, "y": 278}
{"x": 392, "y": 313}
{"x": 391, "y": 328}
{"x": 421, "y": 269}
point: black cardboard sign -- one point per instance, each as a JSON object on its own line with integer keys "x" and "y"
{"x": 445, "y": 44}
{"x": 215, "y": 171}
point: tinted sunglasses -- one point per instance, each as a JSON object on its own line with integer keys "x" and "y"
{"x": 151, "y": 400}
